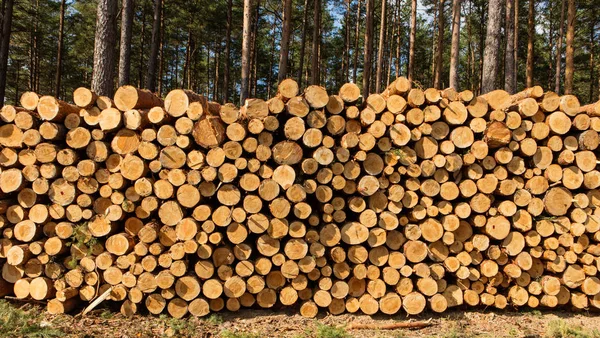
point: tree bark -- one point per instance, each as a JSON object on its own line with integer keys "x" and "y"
{"x": 285, "y": 40}
{"x": 227, "y": 53}
{"x": 154, "y": 49}
{"x": 509, "y": 62}
{"x": 437, "y": 75}
{"x": 104, "y": 48}
{"x": 303, "y": 43}
{"x": 5, "y": 45}
{"x": 125, "y": 47}
{"x": 346, "y": 58}
{"x": 142, "y": 46}
{"x": 59, "y": 56}
{"x": 454, "y": 53}
{"x": 413, "y": 34}
{"x": 245, "y": 52}
{"x": 570, "y": 48}
{"x": 530, "y": 36}
{"x": 356, "y": 38}
{"x": 492, "y": 40}
{"x": 382, "y": 29}
{"x": 516, "y": 44}
{"x": 368, "y": 50}
{"x": 316, "y": 41}
{"x": 33, "y": 50}
{"x": 559, "y": 48}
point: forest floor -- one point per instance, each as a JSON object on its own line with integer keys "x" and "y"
{"x": 26, "y": 320}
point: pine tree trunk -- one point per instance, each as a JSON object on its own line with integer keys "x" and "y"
{"x": 398, "y": 39}
{"x": 454, "y": 53}
{"x": 516, "y": 46}
{"x": 492, "y": 40}
{"x": 142, "y": 46}
{"x": 254, "y": 51}
{"x": 437, "y": 77}
{"x": 59, "y": 57}
{"x": 413, "y": 34}
{"x": 569, "y": 70}
{"x": 154, "y": 48}
{"x": 356, "y": 39}
{"x": 188, "y": 55}
{"x": 33, "y": 45}
{"x": 303, "y": 43}
{"x": 592, "y": 46}
{"x": 227, "y": 53}
{"x": 161, "y": 50}
{"x": 125, "y": 46}
{"x": 285, "y": 40}
{"x": 104, "y": 48}
{"x": 434, "y": 34}
{"x": 316, "y": 41}
{"x": 559, "y": 47}
{"x": 530, "y": 36}
{"x": 368, "y": 50}
{"x": 509, "y": 74}
{"x": 245, "y": 52}
{"x": 382, "y": 30}
{"x": 346, "y": 58}
{"x": 5, "y": 45}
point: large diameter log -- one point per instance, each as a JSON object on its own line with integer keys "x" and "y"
{"x": 209, "y": 132}
{"x": 129, "y": 97}
{"x": 52, "y": 109}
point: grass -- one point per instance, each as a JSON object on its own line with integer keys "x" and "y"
{"x": 19, "y": 323}
{"x": 178, "y": 327}
{"x": 328, "y": 331}
{"x": 214, "y": 319}
{"x": 561, "y": 329}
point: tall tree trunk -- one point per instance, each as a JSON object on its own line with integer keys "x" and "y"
{"x": 245, "y": 52}
{"x": 530, "y": 36}
{"x": 154, "y": 49}
{"x": 59, "y": 56}
{"x": 125, "y": 47}
{"x": 413, "y": 34}
{"x": 188, "y": 53}
{"x": 368, "y": 50}
{"x": 216, "y": 74}
{"x": 346, "y": 57}
{"x": 104, "y": 47}
{"x": 285, "y": 40}
{"x": 440, "y": 46}
{"x": 356, "y": 39}
{"x": 492, "y": 41}
{"x": 271, "y": 57}
{"x": 398, "y": 38}
{"x": 592, "y": 46}
{"x": 142, "y": 45}
{"x": 559, "y": 47}
{"x": 303, "y": 43}
{"x": 316, "y": 41}
{"x": 434, "y": 35}
{"x": 382, "y": 29}
{"x": 33, "y": 48}
{"x": 254, "y": 51}
{"x": 516, "y": 45}
{"x": 161, "y": 50}
{"x": 454, "y": 56}
{"x": 509, "y": 74}
{"x": 227, "y": 53}
{"x": 569, "y": 70}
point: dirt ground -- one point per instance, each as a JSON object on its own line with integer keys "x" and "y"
{"x": 32, "y": 321}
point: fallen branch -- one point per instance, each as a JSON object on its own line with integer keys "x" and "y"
{"x": 97, "y": 301}
{"x": 390, "y": 326}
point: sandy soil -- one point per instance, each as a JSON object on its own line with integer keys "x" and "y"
{"x": 263, "y": 323}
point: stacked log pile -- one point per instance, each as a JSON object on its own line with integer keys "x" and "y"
{"x": 402, "y": 201}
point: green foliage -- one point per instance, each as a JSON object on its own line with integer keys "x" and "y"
{"x": 15, "y": 322}
{"x": 328, "y": 331}
{"x": 193, "y": 45}
{"x": 561, "y": 329}
{"x": 215, "y": 319}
